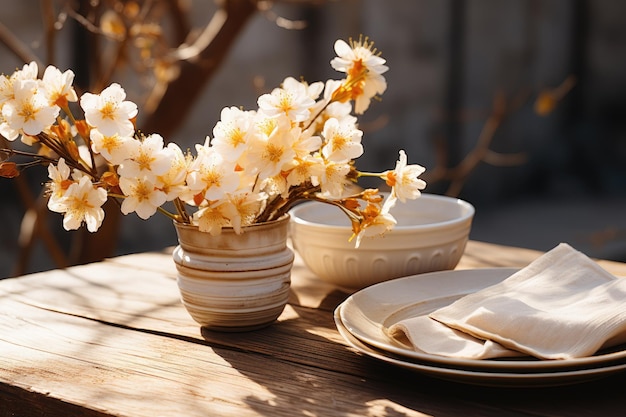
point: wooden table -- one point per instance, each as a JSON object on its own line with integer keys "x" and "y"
{"x": 111, "y": 338}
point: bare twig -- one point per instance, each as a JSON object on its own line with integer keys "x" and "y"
{"x": 49, "y": 19}
{"x": 207, "y": 53}
{"x": 16, "y": 46}
{"x": 266, "y": 8}
{"x": 192, "y": 52}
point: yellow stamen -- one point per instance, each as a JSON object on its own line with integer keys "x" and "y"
{"x": 28, "y": 112}
{"x": 273, "y": 153}
{"x": 108, "y": 110}
{"x": 144, "y": 161}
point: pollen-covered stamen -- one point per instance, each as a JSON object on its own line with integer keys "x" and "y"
{"x": 108, "y": 110}
{"x": 28, "y": 112}
{"x": 273, "y": 153}
{"x": 236, "y": 137}
{"x": 364, "y": 43}
{"x": 212, "y": 178}
{"x": 145, "y": 160}
{"x": 285, "y": 102}
{"x": 143, "y": 191}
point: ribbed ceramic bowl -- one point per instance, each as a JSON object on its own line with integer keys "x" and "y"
{"x": 431, "y": 235}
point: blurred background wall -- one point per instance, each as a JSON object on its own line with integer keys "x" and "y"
{"x": 457, "y": 68}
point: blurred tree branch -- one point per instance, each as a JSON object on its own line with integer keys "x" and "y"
{"x": 172, "y": 65}
{"x": 197, "y": 62}
{"x": 456, "y": 176}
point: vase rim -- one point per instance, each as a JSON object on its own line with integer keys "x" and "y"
{"x": 271, "y": 223}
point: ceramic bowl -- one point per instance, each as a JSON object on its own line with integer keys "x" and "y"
{"x": 430, "y": 235}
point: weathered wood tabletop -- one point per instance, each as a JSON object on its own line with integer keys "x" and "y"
{"x": 112, "y": 338}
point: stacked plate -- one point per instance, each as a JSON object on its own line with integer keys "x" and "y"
{"x": 362, "y": 320}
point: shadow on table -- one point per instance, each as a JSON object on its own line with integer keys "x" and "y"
{"x": 298, "y": 359}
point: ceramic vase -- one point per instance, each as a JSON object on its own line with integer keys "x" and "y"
{"x": 234, "y": 282}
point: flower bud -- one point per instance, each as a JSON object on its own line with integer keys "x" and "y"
{"x": 9, "y": 169}
{"x": 83, "y": 128}
{"x": 111, "y": 179}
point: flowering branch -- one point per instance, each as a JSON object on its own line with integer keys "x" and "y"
{"x": 299, "y": 144}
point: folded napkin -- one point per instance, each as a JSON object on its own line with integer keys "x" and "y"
{"x": 561, "y": 306}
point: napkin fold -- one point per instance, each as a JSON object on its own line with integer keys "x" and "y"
{"x": 561, "y": 306}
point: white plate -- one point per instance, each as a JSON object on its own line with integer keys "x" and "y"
{"x": 493, "y": 379}
{"x": 368, "y": 312}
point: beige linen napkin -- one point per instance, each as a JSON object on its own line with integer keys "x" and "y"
{"x": 561, "y": 306}
{"x": 426, "y": 335}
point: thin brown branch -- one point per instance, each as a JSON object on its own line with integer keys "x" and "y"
{"x": 182, "y": 92}
{"x": 267, "y": 10}
{"x": 87, "y": 24}
{"x": 460, "y": 173}
{"x": 49, "y": 19}
{"x": 33, "y": 225}
{"x": 16, "y": 46}
{"x": 500, "y": 159}
{"x": 192, "y": 52}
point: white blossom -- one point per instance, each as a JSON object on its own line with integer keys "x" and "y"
{"x": 148, "y": 158}
{"x": 230, "y": 134}
{"x": 28, "y": 112}
{"x": 81, "y": 202}
{"x": 292, "y": 100}
{"x": 364, "y": 68}
{"x": 109, "y": 111}
{"x": 211, "y": 175}
{"x": 343, "y": 143}
{"x": 404, "y": 179}
{"x": 378, "y": 224}
{"x": 58, "y": 86}
{"x": 115, "y": 148}
{"x": 142, "y": 196}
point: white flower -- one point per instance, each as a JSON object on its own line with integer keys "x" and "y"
{"x": 109, "y": 112}
{"x": 7, "y": 131}
{"x": 59, "y": 175}
{"x": 332, "y": 178}
{"x": 343, "y": 143}
{"x": 364, "y": 69}
{"x": 304, "y": 169}
{"x": 149, "y": 158}
{"x": 341, "y": 112}
{"x": 241, "y": 209}
{"x": 29, "y": 111}
{"x": 230, "y": 133}
{"x": 58, "y": 86}
{"x": 210, "y": 219}
{"x": 114, "y": 148}
{"x": 211, "y": 175}
{"x": 292, "y": 99}
{"x": 268, "y": 155}
{"x": 404, "y": 179}
{"x": 6, "y": 89}
{"x": 271, "y": 147}
{"x": 29, "y": 71}
{"x": 172, "y": 182}
{"x": 81, "y": 202}
{"x": 305, "y": 143}
{"x": 378, "y": 224}
{"x": 142, "y": 196}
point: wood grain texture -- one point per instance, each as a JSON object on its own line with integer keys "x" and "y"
{"x": 112, "y": 339}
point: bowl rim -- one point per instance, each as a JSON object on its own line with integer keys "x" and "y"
{"x": 467, "y": 214}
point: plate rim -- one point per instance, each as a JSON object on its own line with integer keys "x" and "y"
{"x": 478, "y": 377}
{"x": 381, "y": 340}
